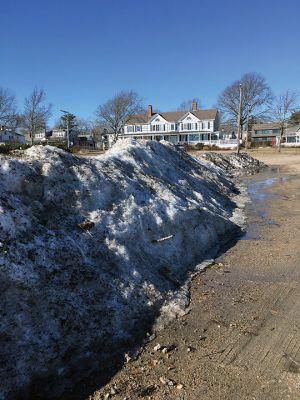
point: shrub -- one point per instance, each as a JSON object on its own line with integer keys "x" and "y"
{"x": 210, "y": 147}
{"x": 255, "y": 144}
{"x": 199, "y": 146}
{"x": 7, "y": 148}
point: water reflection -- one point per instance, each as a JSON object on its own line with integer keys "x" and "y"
{"x": 258, "y": 190}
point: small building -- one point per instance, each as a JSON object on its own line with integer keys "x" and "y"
{"x": 270, "y": 133}
{"x": 291, "y": 137}
{"x": 11, "y": 137}
{"x": 86, "y": 140}
{"x": 227, "y": 131}
{"x": 56, "y": 136}
{"x": 267, "y": 132}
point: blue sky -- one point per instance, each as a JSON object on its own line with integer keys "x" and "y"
{"x": 83, "y": 52}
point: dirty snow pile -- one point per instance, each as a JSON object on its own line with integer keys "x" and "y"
{"x": 233, "y": 163}
{"x": 92, "y": 249}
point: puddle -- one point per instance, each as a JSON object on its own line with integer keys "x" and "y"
{"x": 260, "y": 195}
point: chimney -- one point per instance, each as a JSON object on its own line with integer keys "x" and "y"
{"x": 194, "y": 106}
{"x": 150, "y": 110}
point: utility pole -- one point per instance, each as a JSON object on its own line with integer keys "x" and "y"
{"x": 246, "y": 145}
{"x": 68, "y": 129}
{"x": 239, "y": 122}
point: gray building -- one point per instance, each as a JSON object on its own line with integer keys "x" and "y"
{"x": 11, "y": 137}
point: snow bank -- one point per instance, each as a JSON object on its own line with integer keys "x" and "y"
{"x": 233, "y": 163}
{"x": 92, "y": 249}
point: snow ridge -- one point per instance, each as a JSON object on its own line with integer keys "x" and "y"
{"x": 92, "y": 249}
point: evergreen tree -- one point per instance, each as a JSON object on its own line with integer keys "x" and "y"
{"x": 68, "y": 117}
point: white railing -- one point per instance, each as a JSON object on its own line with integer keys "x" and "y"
{"x": 221, "y": 143}
{"x": 207, "y": 142}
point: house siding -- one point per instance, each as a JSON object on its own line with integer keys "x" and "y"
{"x": 11, "y": 137}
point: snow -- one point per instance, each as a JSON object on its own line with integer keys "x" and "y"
{"x": 233, "y": 163}
{"x": 93, "y": 250}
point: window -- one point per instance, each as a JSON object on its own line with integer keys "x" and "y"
{"x": 202, "y": 125}
{"x": 138, "y": 128}
{"x": 130, "y": 128}
{"x": 189, "y": 126}
{"x": 267, "y": 131}
{"x": 208, "y": 125}
{"x": 194, "y": 138}
{"x": 196, "y": 126}
{"x": 172, "y": 127}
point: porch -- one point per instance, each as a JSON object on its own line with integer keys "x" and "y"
{"x": 191, "y": 139}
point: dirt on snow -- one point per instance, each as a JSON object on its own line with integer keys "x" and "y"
{"x": 79, "y": 295}
{"x": 94, "y": 250}
{"x": 241, "y": 337}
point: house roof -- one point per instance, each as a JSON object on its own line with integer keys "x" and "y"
{"x": 138, "y": 119}
{"x": 274, "y": 125}
{"x": 174, "y": 116}
{"x": 292, "y": 129}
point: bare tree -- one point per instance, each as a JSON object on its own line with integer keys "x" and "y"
{"x": 283, "y": 106}
{"x": 116, "y": 112}
{"x": 84, "y": 125}
{"x": 8, "y": 110}
{"x": 256, "y": 98}
{"x": 295, "y": 118}
{"x": 36, "y": 113}
{"x": 186, "y": 105}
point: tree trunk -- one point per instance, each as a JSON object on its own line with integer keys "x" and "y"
{"x": 279, "y": 145}
{"x": 279, "y": 140}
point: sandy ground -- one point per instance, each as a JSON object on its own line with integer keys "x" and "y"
{"x": 286, "y": 158}
{"x": 241, "y": 337}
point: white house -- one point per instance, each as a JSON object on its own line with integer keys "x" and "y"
{"x": 56, "y": 135}
{"x": 292, "y": 136}
{"x": 7, "y": 136}
{"x": 191, "y": 127}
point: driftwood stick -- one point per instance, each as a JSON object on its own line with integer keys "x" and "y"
{"x": 162, "y": 239}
